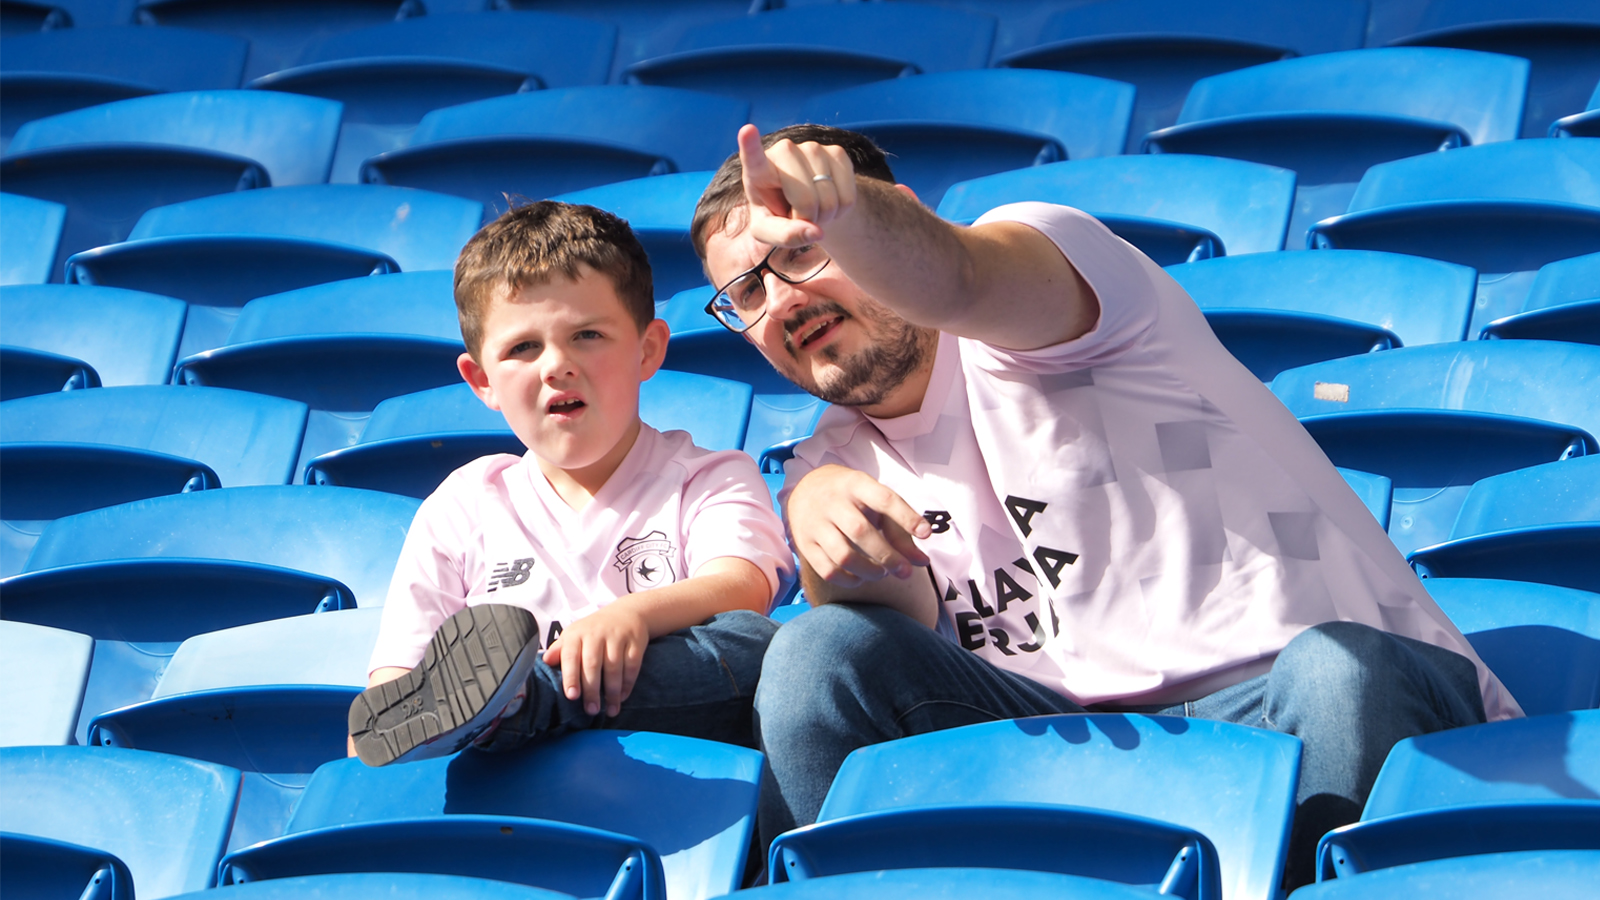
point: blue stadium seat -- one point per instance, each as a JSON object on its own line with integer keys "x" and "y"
{"x": 341, "y": 348}
{"x": 659, "y": 210}
{"x": 1488, "y": 876}
{"x": 1505, "y": 209}
{"x": 1562, "y": 305}
{"x": 126, "y": 336}
{"x": 1438, "y": 418}
{"x": 389, "y": 76}
{"x": 1517, "y": 785}
{"x": 143, "y": 577}
{"x": 1584, "y": 124}
{"x": 165, "y": 817}
{"x": 20, "y": 17}
{"x": 1176, "y": 208}
{"x": 1155, "y": 767}
{"x": 777, "y": 59}
{"x": 1376, "y": 492}
{"x": 562, "y": 803}
{"x": 1542, "y": 641}
{"x": 30, "y": 232}
{"x": 278, "y": 31}
{"x": 330, "y": 648}
{"x": 412, "y": 442}
{"x": 391, "y": 885}
{"x": 40, "y": 867}
{"x": 1330, "y": 117}
{"x": 1164, "y": 46}
{"x": 28, "y": 373}
{"x": 1560, "y": 37}
{"x": 110, "y": 163}
{"x": 780, "y": 412}
{"x": 544, "y": 143}
{"x": 219, "y": 252}
{"x": 54, "y": 664}
{"x": 1275, "y": 311}
{"x": 645, "y": 28}
{"x": 1541, "y": 523}
{"x": 954, "y": 126}
{"x": 84, "y": 13}
{"x": 57, "y": 71}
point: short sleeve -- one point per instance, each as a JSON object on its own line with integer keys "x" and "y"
{"x": 429, "y": 582}
{"x": 728, "y": 512}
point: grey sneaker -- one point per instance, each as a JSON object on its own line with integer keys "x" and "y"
{"x": 474, "y": 667}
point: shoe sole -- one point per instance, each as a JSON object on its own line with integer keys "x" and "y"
{"x": 469, "y": 673}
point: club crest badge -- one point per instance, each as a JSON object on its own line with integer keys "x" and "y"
{"x": 647, "y": 561}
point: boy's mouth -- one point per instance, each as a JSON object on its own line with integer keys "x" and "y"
{"x": 565, "y": 406}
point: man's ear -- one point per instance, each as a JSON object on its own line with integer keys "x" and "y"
{"x": 653, "y": 347}
{"x": 906, "y": 189}
{"x": 473, "y": 374}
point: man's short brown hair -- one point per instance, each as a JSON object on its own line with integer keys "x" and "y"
{"x": 726, "y": 191}
{"x": 533, "y": 243}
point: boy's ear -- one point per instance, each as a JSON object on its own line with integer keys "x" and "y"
{"x": 474, "y": 375}
{"x": 653, "y": 347}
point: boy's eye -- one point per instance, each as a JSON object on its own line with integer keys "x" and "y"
{"x": 588, "y": 334}
{"x": 524, "y": 347}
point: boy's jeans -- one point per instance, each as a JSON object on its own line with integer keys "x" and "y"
{"x": 846, "y": 675}
{"x": 697, "y": 682}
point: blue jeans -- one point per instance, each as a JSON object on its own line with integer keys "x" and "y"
{"x": 697, "y": 682}
{"x": 844, "y": 676}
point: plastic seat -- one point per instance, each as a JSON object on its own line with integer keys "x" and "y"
{"x": 955, "y": 126}
{"x": 947, "y": 884}
{"x": 777, "y": 59}
{"x": 393, "y": 885}
{"x": 165, "y": 817}
{"x": 389, "y": 76}
{"x": 1562, "y": 305}
{"x": 70, "y": 68}
{"x": 278, "y": 32}
{"x": 1541, "y": 523}
{"x": 1542, "y": 641}
{"x": 1505, "y": 209}
{"x": 30, "y": 232}
{"x": 39, "y": 867}
{"x": 1158, "y": 768}
{"x": 1332, "y": 116}
{"x": 544, "y": 143}
{"x": 552, "y": 814}
{"x": 126, "y": 336}
{"x": 85, "y": 13}
{"x": 1560, "y": 37}
{"x": 1275, "y": 311}
{"x": 1376, "y": 492}
{"x": 1584, "y": 124}
{"x": 645, "y": 28}
{"x": 659, "y": 210}
{"x": 1164, "y": 46}
{"x": 412, "y": 443}
{"x": 18, "y": 17}
{"x": 1436, "y": 419}
{"x": 341, "y": 348}
{"x": 54, "y": 664}
{"x": 329, "y": 648}
{"x": 1489, "y": 876}
{"x": 780, "y": 412}
{"x": 219, "y": 252}
{"x": 1522, "y": 784}
{"x": 110, "y": 163}
{"x": 1175, "y": 208}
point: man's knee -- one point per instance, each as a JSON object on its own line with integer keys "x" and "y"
{"x": 828, "y": 649}
{"x": 1338, "y": 656}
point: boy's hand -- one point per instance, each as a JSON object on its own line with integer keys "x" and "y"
{"x": 602, "y": 650}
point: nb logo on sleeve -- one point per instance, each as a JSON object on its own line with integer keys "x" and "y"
{"x": 510, "y": 574}
{"x": 938, "y": 519}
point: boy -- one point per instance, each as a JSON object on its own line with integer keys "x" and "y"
{"x": 639, "y": 564}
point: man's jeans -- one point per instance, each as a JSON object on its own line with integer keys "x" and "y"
{"x": 698, "y": 682}
{"x": 844, "y": 676}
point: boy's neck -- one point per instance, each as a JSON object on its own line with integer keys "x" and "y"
{"x": 578, "y": 486}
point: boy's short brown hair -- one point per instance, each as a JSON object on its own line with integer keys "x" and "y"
{"x": 533, "y": 243}
{"x": 725, "y": 193}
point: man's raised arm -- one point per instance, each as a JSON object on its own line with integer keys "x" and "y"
{"x": 1001, "y": 283}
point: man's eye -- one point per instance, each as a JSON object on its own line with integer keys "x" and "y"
{"x": 744, "y": 290}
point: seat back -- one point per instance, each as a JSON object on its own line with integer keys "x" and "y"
{"x": 1566, "y": 491}
{"x": 278, "y": 33}
{"x": 39, "y": 867}
{"x": 1563, "y": 305}
{"x": 164, "y": 816}
{"x": 127, "y": 336}
{"x": 330, "y": 648}
{"x": 1244, "y": 204}
{"x": 954, "y": 126}
{"x": 30, "y": 231}
{"x": 659, "y": 210}
{"x": 55, "y": 665}
{"x": 394, "y": 885}
{"x": 1100, "y": 761}
{"x": 1565, "y": 281}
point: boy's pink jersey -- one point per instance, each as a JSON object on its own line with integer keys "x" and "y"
{"x": 496, "y": 532}
{"x": 1129, "y": 517}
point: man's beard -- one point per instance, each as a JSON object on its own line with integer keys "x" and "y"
{"x": 896, "y": 348}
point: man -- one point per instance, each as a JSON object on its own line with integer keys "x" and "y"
{"x": 1045, "y": 487}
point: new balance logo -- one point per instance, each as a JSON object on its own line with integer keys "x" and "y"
{"x": 510, "y": 574}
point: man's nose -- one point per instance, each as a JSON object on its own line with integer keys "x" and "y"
{"x": 783, "y": 298}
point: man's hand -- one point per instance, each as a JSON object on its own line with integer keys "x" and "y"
{"x": 601, "y": 652}
{"x": 794, "y": 189}
{"x": 851, "y": 530}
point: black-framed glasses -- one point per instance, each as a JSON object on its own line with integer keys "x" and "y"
{"x": 742, "y": 302}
